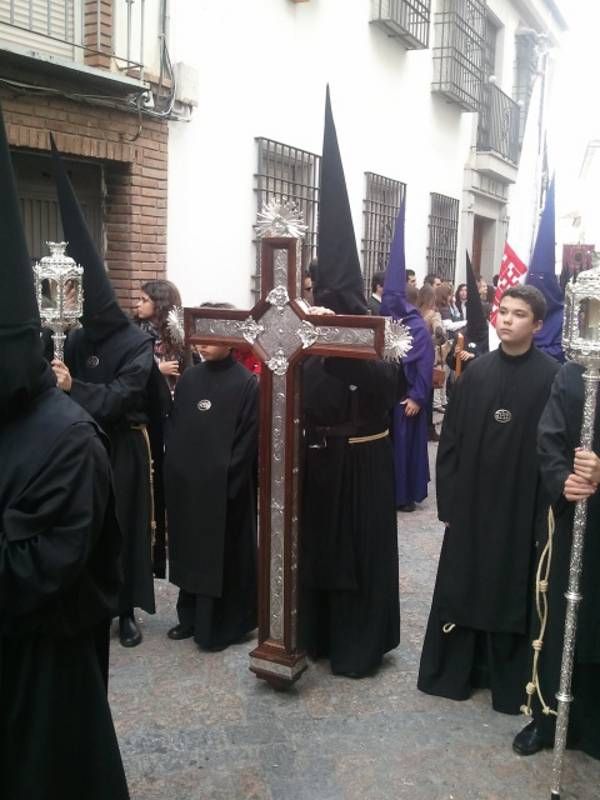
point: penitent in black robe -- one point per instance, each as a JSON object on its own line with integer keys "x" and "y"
{"x": 110, "y": 380}
{"x": 59, "y": 582}
{"x": 558, "y": 436}
{"x": 350, "y": 608}
{"x": 489, "y": 494}
{"x": 210, "y": 488}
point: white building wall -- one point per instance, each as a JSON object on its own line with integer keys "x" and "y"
{"x": 263, "y": 67}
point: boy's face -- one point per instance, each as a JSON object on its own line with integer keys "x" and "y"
{"x": 213, "y": 352}
{"x": 515, "y": 325}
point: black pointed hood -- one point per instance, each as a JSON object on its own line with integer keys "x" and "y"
{"x": 102, "y": 314}
{"x": 339, "y": 284}
{"x": 477, "y": 326}
{"x": 22, "y": 368}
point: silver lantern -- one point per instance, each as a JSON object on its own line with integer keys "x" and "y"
{"x": 59, "y": 292}
{"x": 581, "y": 343}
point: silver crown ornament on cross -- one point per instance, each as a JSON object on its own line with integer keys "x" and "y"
{"x": 282, "y": 330}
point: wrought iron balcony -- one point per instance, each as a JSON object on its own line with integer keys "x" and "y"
{"x": 406, "y": 19}
{"x": 458, "y": 52}
{"x": 498, "y": 126}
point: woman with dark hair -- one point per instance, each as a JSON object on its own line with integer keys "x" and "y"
{"x": 460, "y": 300}
{"x": 157, "y": 299}
{"x": 426, "y": 304}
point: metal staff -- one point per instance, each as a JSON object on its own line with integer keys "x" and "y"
{"x": 59, "y": 291}
{"x": 581, "y": 342}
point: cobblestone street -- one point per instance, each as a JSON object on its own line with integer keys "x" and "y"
{"x": 199, "y": 726}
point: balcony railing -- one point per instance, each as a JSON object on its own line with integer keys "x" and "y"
{"x": 458, "y": 52}
{"x": 406, "y": 19}
{"x": 498, "y": 125}
{"x": 82, "y": 31}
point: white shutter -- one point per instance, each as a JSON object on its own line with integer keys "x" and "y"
{"x": 46, "y": 26}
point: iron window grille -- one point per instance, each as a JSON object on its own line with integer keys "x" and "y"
{"x": 291, "y": 173}
{"x": 459, "y": 51}
{"x": 443, "y": 236}
{"x": 381, "y": 206}
{"x": 407, "y": 20}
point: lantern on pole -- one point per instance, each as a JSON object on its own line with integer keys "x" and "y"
{"x": 581, "y": 343}
{"x": 59, "y": 292}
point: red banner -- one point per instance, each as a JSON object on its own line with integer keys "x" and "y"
{"x": 512, "y": 272}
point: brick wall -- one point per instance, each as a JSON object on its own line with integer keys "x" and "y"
{"x": 135, "y": 170}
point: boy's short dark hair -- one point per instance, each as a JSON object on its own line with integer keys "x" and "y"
{"x": 377, "y": 279}
{"x": 532, "y": 296}
{"x": 410, "y": 273}
{"x": 431, "y": 278}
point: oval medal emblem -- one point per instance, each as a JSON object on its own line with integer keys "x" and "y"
{"x": 204, "y": 405}
{"x": 93, "y": 362}
{"x": 502, "y": 415}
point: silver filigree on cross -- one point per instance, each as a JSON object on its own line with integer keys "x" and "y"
{"x": 280, "y": 217}
{"x": 175, "y": 326}
{"x": 278, "y": 297}
{"x": 398, "y": 340}
{"x": 250, "y": 329}
{"x": 278, "y": 363}
{"x": 307, "y": 333}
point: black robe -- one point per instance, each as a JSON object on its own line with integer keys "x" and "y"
{"x": 489, "y": 493}
{"x": 210, "y": 487}
{"x": 558, "y": 436}
{"x": 110, "y": 380}
{"x": 59, "y": 582}
{"x": 350, "y": 610}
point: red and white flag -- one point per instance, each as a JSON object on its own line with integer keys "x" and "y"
{"x": 512, "y": 272}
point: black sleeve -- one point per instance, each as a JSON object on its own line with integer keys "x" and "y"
{"x": 447, "y": 462}
{"x": 381, "y": 379}
{"x": 556, "y": 441}
{"x": 48, "y": 530}
{"x": 109, "y": 402}
{"x": 245, "y": 439}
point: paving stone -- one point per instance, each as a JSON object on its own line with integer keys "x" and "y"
{"x": 199, "y": 726}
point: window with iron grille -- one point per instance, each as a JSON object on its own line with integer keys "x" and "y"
{"x": 459, "y": 52}
{"x": 407, "y": 20}
{"x": 525, "y": 70}
{"x": 291, "y": 173}
{"x": 443, "y": 236}
{"x": 381, "y": 206}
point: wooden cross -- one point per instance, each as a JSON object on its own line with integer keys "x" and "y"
{"x": 281, "y": 335}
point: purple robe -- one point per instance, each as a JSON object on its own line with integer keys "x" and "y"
{"x": 409, "y": 434}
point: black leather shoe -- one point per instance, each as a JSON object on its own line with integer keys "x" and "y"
{"x": 129, "y": 633}
{"x": 180, "y": 632}
{"x": 528, "y": 741}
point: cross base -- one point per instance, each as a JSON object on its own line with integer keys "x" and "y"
{"x": 280, "y": 669}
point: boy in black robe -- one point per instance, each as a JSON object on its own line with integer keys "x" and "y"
{"x": 569, "y": 474}
{"x": 107, "y": 369}
{"x": 59, "y": 547}
{"x": 489, "y": 497}
{"x": 210, "y": 492}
